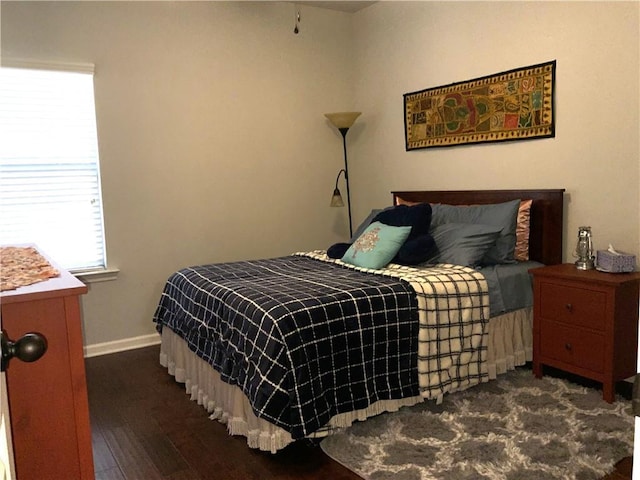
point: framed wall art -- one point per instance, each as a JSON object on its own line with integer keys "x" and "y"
{"x": 513, "y": 105}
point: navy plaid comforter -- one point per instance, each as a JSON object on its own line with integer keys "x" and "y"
{"x": 304, "y": 339}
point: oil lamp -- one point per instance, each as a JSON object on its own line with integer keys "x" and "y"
{"x": 584, "y": 250}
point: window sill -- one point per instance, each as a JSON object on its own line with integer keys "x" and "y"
{"x": 95, "y": 276}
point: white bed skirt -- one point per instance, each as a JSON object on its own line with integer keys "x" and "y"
{"x": 510, "y": 340}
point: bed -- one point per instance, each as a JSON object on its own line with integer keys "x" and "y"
{"x": 285, "y": 349}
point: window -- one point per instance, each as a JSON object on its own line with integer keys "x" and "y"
{"x": 49, "y": 168}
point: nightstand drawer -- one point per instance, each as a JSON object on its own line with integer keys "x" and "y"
{"x": 576, "y": 306}
{"x": 571, "y": 345}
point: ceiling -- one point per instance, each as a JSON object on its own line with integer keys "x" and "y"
{"x": 339, "y": 5}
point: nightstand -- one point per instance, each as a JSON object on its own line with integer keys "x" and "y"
{"x": 586, "y": 322}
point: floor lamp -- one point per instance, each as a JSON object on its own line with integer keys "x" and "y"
{"x": 343, "y": 121}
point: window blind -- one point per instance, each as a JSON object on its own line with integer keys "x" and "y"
{"x": 49, "y": 166}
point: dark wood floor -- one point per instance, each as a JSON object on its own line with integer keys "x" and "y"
{"x": 145, "y": 427}
{"x": 623, "y": 470}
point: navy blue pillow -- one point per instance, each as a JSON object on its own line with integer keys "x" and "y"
{"x": 416, "y": 250}
{"x": 366, "y": 222}
{"x": 418, "y": 217}
{"x": 338, "y": 250}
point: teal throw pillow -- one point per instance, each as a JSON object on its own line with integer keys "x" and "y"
{"x": 377, "y": 245}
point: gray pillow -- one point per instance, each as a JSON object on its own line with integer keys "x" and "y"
{"x": 463, "y": 243}
{"x": 503, "y": 215}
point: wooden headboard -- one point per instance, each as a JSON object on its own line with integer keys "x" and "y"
{"x": 545, "y": 237}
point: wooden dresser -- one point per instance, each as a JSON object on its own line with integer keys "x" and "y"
{"x": 586, "y": 322}
{"x": 48, "y": 398}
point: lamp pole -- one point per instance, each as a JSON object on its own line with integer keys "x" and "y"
{"x": 343, "y": 121}
{"x": 344, "y": 131}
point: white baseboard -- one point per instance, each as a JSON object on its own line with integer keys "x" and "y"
{"x": 121, "y": 345}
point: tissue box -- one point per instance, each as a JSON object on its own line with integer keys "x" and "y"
{"x": 609, "y": 262}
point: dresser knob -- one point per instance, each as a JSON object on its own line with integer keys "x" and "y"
{"x": 569, "y": 307}
{"x": 568, "y": 346}
{"x": 29, "y": 348}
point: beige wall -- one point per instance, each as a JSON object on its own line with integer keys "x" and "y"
{"x": 212, "y": 138}
{"x": 214, "y": 148}
{"x": 402, "y": 47}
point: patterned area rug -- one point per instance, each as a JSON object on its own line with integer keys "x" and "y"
{"x": 514, "y": 428}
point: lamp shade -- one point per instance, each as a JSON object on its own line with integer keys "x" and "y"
{"x": 336, "y": 199}
{"x": 342, "y": 119}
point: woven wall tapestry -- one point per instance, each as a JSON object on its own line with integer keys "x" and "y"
{"x": 513, "y": 105}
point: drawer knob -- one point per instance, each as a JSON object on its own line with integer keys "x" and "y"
{"x": 568, "y": 346}
{"x": 569, "y": 307}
